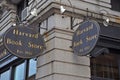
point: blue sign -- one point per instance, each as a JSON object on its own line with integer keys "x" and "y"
{"x": 24, "y": 42}
{"x": 85, "y": 37}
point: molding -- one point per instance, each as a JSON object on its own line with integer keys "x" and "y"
{"x": 53, "y": 8}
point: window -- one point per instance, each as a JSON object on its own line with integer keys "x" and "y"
{"x": 5, "y": 75}
{"x": 19, "y": 70}
{"x": 105, "y": 67}
{"x": 115, "y": 5}
{"x": 32, "y": 67}
{"x": 43, "y": 26}
{"x": 22, "y": 5}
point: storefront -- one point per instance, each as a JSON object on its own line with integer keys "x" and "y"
{"x": 105, "y": 61}
{"x": 14, "y": 68}
{"x": 59, "y": 61}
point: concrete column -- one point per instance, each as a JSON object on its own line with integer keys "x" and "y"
{"x": 59, "y": 62}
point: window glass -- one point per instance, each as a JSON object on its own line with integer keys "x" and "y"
{"x": 22, "y": 5}
{"x": 5, "y": 75}
{"x": 105, "y": 67}
{"x": 32, "y": 67}
{"x": 43, "y": 26}
{"x": 19, "y": 72}
{"x": 115, "y": 5}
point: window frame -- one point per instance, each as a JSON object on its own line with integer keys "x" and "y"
{"x": 21, "y": 6}
{"x": 5, "y": 71}
{"x": 12, "y": 65}
{"x": 95, "y": 76}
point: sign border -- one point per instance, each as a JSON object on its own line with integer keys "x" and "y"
{"x": 11, "y": 52}
{"x": 98, "y": 32}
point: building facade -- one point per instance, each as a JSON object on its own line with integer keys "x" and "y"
{"x": 58, "y": 61}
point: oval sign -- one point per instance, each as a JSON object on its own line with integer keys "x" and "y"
{"x": 85, "y": 37}
{"x": 3, "y": 52}
{"x": 24, "y": 42}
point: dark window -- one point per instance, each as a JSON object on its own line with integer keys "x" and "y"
{"x": 22, "y": 5}
{"x": 115, "y": 5}
{"x": 43, "y": 26}
{"x": 105, "y": 67}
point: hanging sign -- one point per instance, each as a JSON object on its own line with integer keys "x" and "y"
{"x": 3, "y": 52}
{"x": 24, "y": 42}
{"x": 85, "y": 37}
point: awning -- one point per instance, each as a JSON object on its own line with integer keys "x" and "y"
{"x": 99, "y": 50}
{"x": 110, "y": 31}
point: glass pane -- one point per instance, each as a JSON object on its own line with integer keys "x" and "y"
{"x": 32, "y": 67}
{"x": 5, "y": 75}
{"x": 105, "y": 67}
{"x": 115, "y": 5}
{"x": 19, "y": 72}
